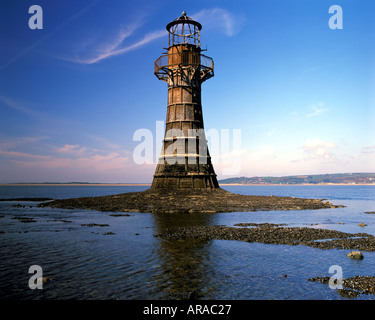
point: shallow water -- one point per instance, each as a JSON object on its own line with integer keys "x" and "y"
{"x": 125, "y": 261}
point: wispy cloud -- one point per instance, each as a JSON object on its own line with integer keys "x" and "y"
{"x": 115, "y": 46}
{"x": 7, "y": 142}
{"x": 105, "y": 143}
{"x": 145, "y": 40}
{"x": 118, "y": 43}
{"x": 75, "y": 150}
{"x": 220, "y": 20}
{"x": 314, "y": 111}
{"x": 17, "y": 154}
{"x": 97, "y": 162}
{"x": 17, "y": 105}
{"x": 48, "y": 35}
{"x": 68, "y": 159}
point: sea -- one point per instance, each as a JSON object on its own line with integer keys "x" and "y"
{"x": 92, "y": 255}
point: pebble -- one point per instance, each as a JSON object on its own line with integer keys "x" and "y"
{"x": 355, "y": 255}
{"x": 362, "y": 224}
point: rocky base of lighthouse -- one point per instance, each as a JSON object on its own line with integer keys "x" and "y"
{"x": 187, "y": 201}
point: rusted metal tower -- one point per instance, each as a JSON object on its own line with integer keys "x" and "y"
{"x": 184, "y": 161}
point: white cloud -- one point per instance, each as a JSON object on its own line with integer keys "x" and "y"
{"x": 318, "y": 149}
{"x": 229, "y": 163}
{"x": 70, "y": 161}
{"x": 75, "y": 150}
{"x": 368, "y": 149}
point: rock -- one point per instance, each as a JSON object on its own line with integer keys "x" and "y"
{"x": 324, "y": 280}
{"x": 362, "y": 224}
{"x": 273, "y": 234}
{"x": 24, "y": 219}
{"x": 347, "y": 293}
{"x": 355, "y": 255}
{"x": 46, "y": 279}
{"x": 353, "y": 286}
{"x": 95, "y": 225}
{"x": 186, "y": 201}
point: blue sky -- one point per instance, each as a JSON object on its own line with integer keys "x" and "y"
{"x": 73, "y": 94}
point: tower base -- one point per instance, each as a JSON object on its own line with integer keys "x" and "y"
{"x": 193, "y": 181}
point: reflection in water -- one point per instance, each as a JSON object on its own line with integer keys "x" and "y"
{"x": 184, "y": 263}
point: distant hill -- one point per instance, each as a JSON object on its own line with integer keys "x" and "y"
{"x": 342, "y": 178}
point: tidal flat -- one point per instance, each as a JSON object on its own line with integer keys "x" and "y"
{"x": 264, "y": 254}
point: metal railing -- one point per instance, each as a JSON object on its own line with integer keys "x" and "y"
{"x": 185, "y": 58}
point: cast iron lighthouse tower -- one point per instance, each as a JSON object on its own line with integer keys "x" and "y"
{"x": 184, "y": 161}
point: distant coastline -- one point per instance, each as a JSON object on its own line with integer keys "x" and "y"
{"x": 74, "y": 184}
{"x": 333, "y": 179}
{"x": 297, "y": 184}
{"x": 316, "y": 179}
{"x": 149, "y": 184}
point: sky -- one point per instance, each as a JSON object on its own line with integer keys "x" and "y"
{"x": 74, "y": 93}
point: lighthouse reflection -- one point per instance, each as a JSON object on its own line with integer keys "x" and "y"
{"x": 185, "y": 264}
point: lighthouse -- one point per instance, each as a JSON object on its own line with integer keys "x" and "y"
{"x": 184, "y": 160}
